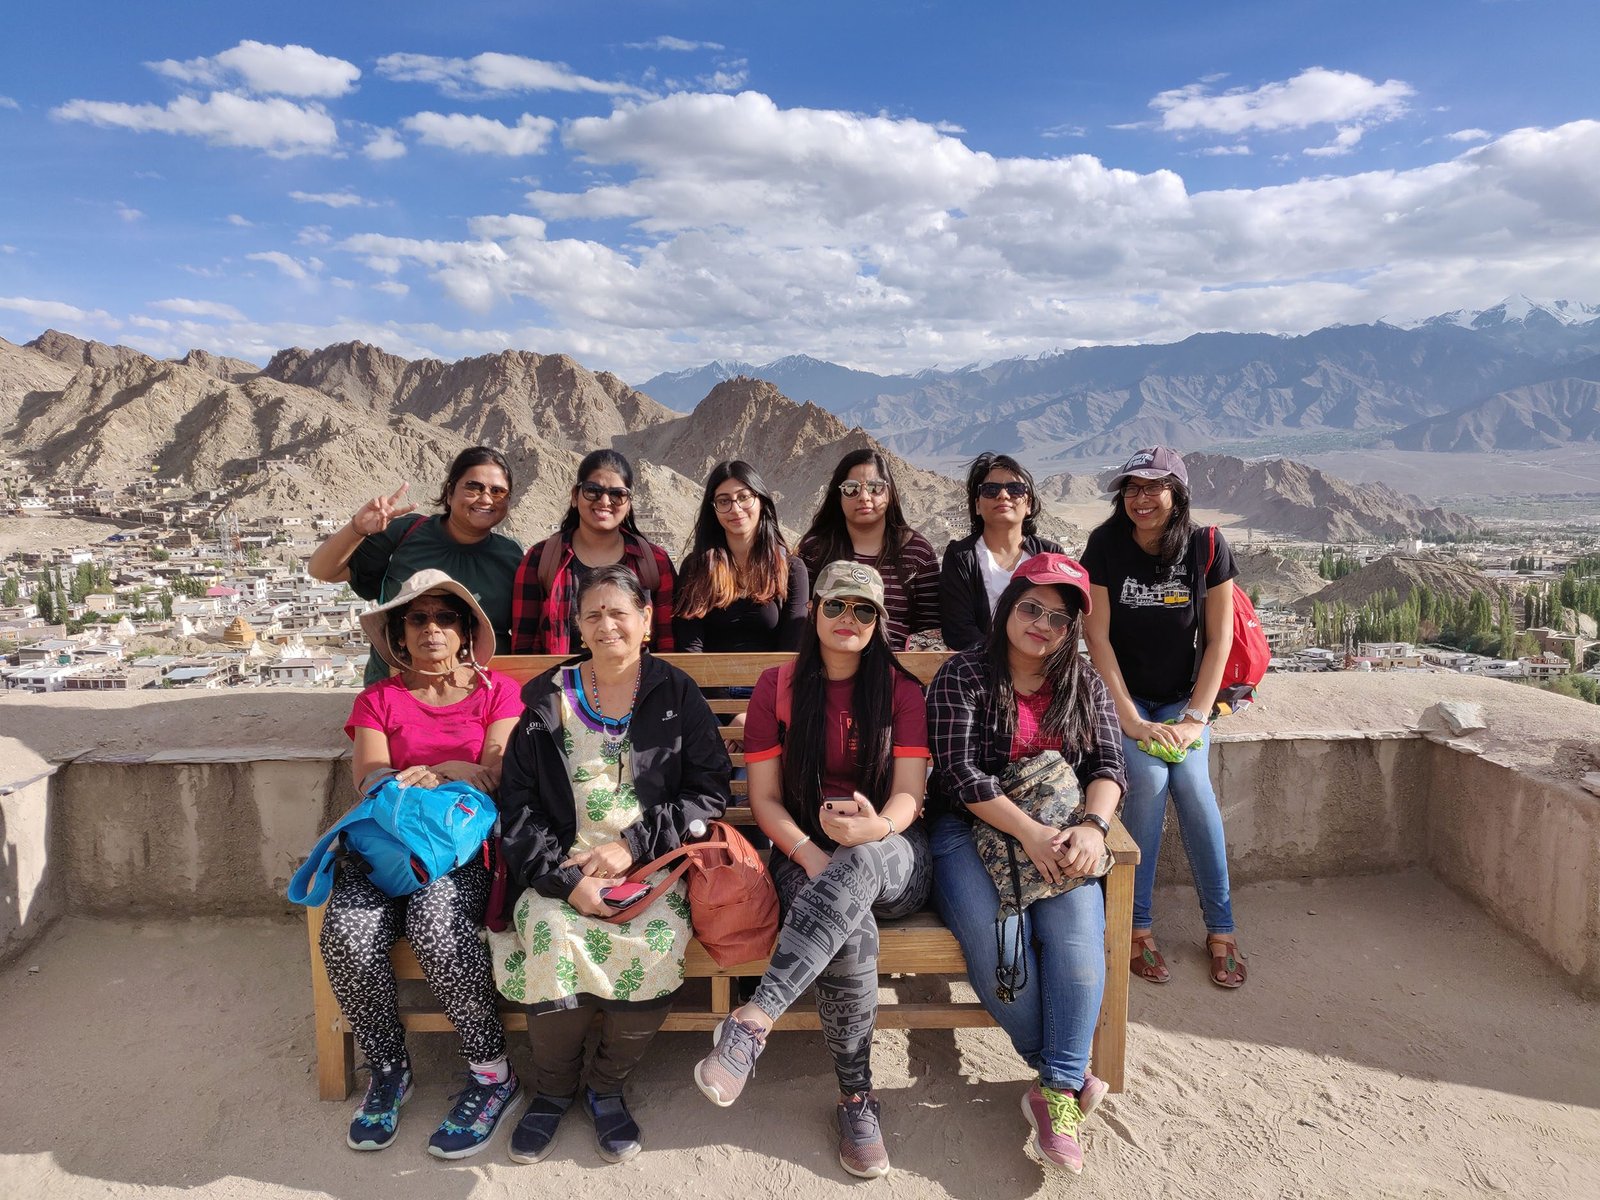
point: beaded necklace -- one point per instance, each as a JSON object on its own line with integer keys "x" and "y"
{"x": 613, "y": 730}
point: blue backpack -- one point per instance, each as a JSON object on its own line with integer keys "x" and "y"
{"x": 402, "y": 837}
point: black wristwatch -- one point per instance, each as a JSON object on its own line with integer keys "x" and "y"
{"x": 1099, "y": 822}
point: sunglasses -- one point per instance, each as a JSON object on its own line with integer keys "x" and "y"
{"x": 594, "y": 493}
{"x": 494, "y": 491}
{"x": 1148, "y": 489}
{"x": 444, "y": 618}
{"x": 727, "y": 503}
{"x": 991, "y": 491}
{"x": 1032, "y": 610}
{"x": 865, "y": 614}
{"x": 851, "y": 488}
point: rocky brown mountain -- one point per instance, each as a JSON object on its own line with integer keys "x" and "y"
{"x": 25, "y": 373}
{"x": 1541, "y": 416}
{"x": 1402, "y": 574}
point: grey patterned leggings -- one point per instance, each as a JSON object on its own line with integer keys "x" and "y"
{"x": 830, "y": 937}
{"x": 441, "y": 923}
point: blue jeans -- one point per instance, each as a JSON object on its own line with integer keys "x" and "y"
{"x": 1051, "y": 1022}
{"x": 1199, "y": 821}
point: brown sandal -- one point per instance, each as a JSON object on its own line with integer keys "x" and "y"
{"x": 1227, "y": 960}
{"x": 1147, "y": 962}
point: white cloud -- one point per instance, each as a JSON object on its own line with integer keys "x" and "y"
{"x": 1344, "y": 141}
{"x": 1469, "y": 135}
{"x": 383, "y": 145}
{"x": 344, "y": 199}
{"x": 729, "y": 77}
{"x": 280, "y": 128}
{"x": 127, "y": 213}
{"x": 199, "y": 308}
{"x": 53, "y": 311}
{"x": 493, "y": 74}
{"x": 8, "y": 248}
{"x": 391, "y": 287}
{"x": 1064, "y": 131}
{"x": 1238, "y": 148}
{"x": 8, "y": 102}
{"x": 292, "y": 267}
{"x": 261, "y": 68}
{"x": 241, "y": 221}
{"x": 514, "y": 225}
{"x": 314, "y": 235}
{"x": 473, "y": 134}
{"x": 1316, "y": 96}
{"x": 667, "y": 42}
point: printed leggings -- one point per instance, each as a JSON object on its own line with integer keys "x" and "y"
{"x": 830, "y": 937}
{"x": 441, "y": 923}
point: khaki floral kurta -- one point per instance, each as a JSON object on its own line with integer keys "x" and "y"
{"x": 552, "y": 952}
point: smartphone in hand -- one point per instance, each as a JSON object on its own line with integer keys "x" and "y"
{"x": 624, "y": 894}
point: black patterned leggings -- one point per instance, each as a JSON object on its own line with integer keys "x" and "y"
{"x": 441, "y": 923}
{"x": 830, "y": 938}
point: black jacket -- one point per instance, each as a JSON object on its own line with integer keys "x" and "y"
{"x": 678, "y": 767}
{"x": 963, "y": 601}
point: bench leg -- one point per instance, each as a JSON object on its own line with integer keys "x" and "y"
{"x": 335, "y": 1044}
{"x": 1111, "y": 1031}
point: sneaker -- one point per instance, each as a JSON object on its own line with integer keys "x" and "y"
{"x": 471, "y": 1121}
{"x": 536, "y": 1132}
{"x": 1055, "y": 1117}
{"x": 378, "y": 1117}
{"x": 735, "y": 1047}
{"x": 861, "y": 1149}
{"x": 1091, "y": 1093}
{"x": 616, "y": 1133}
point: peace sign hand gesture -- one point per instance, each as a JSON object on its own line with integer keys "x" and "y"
{"x": 374, "y": 516}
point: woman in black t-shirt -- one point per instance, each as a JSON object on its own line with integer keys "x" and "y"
{"x": 1142, "y": 634}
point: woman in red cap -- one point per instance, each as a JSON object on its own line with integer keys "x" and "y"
{"x": 1144, "y": 561}
{"x": 1023, "y": 701}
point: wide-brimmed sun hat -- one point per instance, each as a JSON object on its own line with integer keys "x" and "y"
{"x": 375, "y": 621}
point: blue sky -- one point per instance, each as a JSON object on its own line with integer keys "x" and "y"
{"x": 891, "y": 185}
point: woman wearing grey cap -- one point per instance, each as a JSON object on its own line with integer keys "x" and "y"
{"x": 1144, "y": 562}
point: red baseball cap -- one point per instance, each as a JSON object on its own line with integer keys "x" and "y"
{"x": 1048, "y": 568}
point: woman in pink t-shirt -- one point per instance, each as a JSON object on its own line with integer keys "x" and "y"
{"x": 442, "y": 717}
{"x": 837, "y": 749}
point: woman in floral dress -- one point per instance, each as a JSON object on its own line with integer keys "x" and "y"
{"x": 616, "y": 757}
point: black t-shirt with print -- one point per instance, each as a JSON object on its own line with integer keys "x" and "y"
{"x": 1152, "y": 609}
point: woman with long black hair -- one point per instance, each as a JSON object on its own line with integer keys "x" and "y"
{"x": 860, "y": 519}
{"x": 994, "y": 712}
{"x": 599, "y": 529}
{"x": 836, "y": 746}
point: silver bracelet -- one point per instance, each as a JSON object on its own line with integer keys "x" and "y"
{"x": 797, "y": 845}
{"x": 889, "y": 821}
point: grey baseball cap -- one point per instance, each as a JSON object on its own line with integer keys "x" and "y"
{"x": 1153, "y": 462}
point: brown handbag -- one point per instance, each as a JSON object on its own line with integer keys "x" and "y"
{"x": 733, "y": 904}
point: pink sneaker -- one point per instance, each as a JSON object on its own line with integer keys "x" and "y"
{"x": 1055, "y": 1117}
{"x": 1091, "y": 1093}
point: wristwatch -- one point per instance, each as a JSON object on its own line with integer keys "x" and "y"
{"x": 1095, "y": 819}
{"x": 1194, "y": 714}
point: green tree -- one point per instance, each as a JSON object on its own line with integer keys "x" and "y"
{"x": 44, "y": 600}
{"x": 166, "y": 604}
{"x": 10, "y": 591}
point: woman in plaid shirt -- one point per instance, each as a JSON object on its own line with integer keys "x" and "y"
{"x": 1025, "y": 691}
{"x": 599, "y": 529}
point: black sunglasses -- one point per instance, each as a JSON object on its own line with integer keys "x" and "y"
{"x": 1016, "y": 489}
{"x": 865, "y": 614}
{"x": 444, "y": 618}
{"x": 593, "y": 492}
{"x": 1032, "y": 610}
{"x": 493, "y": 490}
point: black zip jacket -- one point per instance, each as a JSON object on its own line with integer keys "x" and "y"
{"x": 963, "y": 600}
{"x": 678, "y": 768}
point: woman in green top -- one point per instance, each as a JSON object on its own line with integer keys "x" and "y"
{"x": 387, "y": 541}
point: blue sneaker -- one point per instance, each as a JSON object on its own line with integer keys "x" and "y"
{"x": 378, "y": 1117}
{"x": 472, "y": 1119}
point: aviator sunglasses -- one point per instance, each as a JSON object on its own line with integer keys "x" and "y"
{"x": 493, "y": 490}
{"x": 593, "y": 493}
{"x": 1032, "y": 610}
{"x": 851, "y": 488}
{"x": 865, "y": 614}
{"x": 1016, "y": 489}
{"x": 444, "y": 618}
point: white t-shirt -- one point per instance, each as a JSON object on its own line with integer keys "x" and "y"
{"x": 995, "y": 577}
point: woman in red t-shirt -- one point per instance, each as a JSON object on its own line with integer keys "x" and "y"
{"x": 836, "y": 746}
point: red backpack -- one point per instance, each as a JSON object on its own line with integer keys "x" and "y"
{"x": 1248, "y": 658}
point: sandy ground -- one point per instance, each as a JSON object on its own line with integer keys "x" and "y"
{"x": 1428, "y": 1057}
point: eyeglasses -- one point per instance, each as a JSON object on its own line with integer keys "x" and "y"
{"x": 1148, "y": 489}
{"x": 1031, "y": 610}
{"x": 1016, "y": 489}
{"x": 494, "y": 491}
{"x": 726, "y": 503}
{"x": 594, "y": 493}
{"x": 851, "y": 488}
{"x": 865, "y": 614}
{"x": 444, "y": 618}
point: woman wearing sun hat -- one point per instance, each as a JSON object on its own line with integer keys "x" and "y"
{"x": 441, "y": 717}
{"x": 1144, "y": 561}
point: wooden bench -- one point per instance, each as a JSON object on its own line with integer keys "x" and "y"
{"x": 915, "y": 945}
